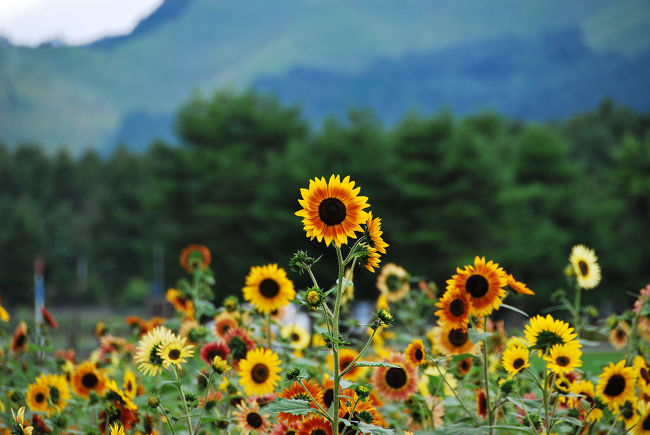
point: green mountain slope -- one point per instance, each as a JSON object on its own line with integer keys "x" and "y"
{"x": 79, "y": 97}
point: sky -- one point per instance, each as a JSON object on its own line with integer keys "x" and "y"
{"x": 74, "y": 22}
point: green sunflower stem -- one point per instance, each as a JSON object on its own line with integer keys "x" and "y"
{"x": 631, "y": 340}
{"x": 205, "y": 401}
{"x": 167, "y": 419}
{"x": 576, "y": 311}
{"x": 313, "y": 399}
{"x": 187, "y": 411}
{"x": 460, "y": 401}
{"x": 485, "y": 375}
{"x": 545, "y": 394}
{"x": 335, "y": 343}
{"x": 361, "y": 354}
{"x": 267, "y": 319}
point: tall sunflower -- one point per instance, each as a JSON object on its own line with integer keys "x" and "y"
{"x": 454, "y": 309}
{"x": 332, "y": 211}
{"x": 515, "y": 359}
{"x": 396, "y": 383}
{"x": 175, "y": 351}
{"x": 585, "y": 266}
{"x": 616, "y": 384}
{"x": 483, "y": 282}
{"x": 88, "y": 378}
{"x": 373, "y": 234}
{"x": 195, "y": 257}
{"x": 146, "y": 356}
{"x": 59, "y": 392}
{"x": 544, "y": 332}
{"x": 258, "y": 372}
{"x": 268, "y": 288}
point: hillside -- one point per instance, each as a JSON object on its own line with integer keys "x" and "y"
{"x": 126, "y": 89}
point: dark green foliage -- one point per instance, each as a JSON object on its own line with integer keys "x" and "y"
{"x": 446, "y": 189}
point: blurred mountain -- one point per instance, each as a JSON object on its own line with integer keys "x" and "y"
{"x": 516, "y": 57}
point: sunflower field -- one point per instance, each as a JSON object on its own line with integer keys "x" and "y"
{"x": 284, "y": 360}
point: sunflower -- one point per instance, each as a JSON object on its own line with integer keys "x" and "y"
{"x": 195, "y": 257}
{"x": 585, "y": 266}
{"x": 215, "y": 348}
{"x": 563, "y": 358}
{"x": 454, "y": 309}
{"x": 618, "y": 335}
{"x": 616, "y": 384}
{"x": 328, "y": 392}
{"x": 19, "y": 339}
{"x": 518, "y": 286}
{"x": 332, "y": 211}
{"x": 130, "y": 385}
{"x": 114, "y": 394}
{"x": 239, "y": 343}
{"x": 393, "y": 282}
{"x": 175, "y": 351}
{"x": 4, "y": 315}
{"x": 346, "y": 356}
{"x": 371, "y": 260}
{"x": 373, "y": 234}
{"x": 642, "y": 369}
{"x": 282, "y": 428}
{"x": 146, "y": 356}
{"x": 415, "y": 353}
{"x": 296, "y": 391}
{"x": 37, "y": 397}
{"x": 481, "y": 404}
{"x": 544, "y": 332}
{"x": 297, "y": 335}
{"x": 315, "y": 426}
{"x": 584, "y": 390}
{"x": 258, "y": 372}
{"x": 396, "y": 383}
{"x": 643, "y": 424}
{"x": 453, "y": 341}
{"x": 116, "y": 429}
{"x": 268, "y": 288}
{"x": 483, "y": 282}
{"x": 627, "y": 413}
{"x": 19, "y": 418}
{"x": 515, "y": 359}
{"x": 465, "y": 365}
{"x": 223, "y": 323}
{"x": 87, "y": 378}
{"x": 249, "y": 417}
{"x": 181, "y": 302}
{"x": 220, "y": 365}
{"x": 59, "y": 392}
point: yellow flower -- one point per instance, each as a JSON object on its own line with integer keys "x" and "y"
{"x": 585, "y": 266}
{"x": 20, "y": 420}
{"x": 175, "y": 352}
{"x": 643, "y": 424}
{"x": 87, "y": 378}
{"x": 4, "y": 315}
{"x": 454, "y": 309}
{"x": 332, "y": 211}
{"x": 297, "y": 335}
{"x": 268, "y": 288}
{"x": 372, "y": 260}
{"x": 130, "y": 385}
{"x": 415, "y": 353}
{"x": 563, "y": 358}
{"x": 483, "y": 282}
{"x": 515, "y": 359}
{"x": 544, "y": 332}
{"x": 37, "y": 397}
{"x": 393, "y": 282}
{"x": 116, "y": 429}
{"x": 59, "y": 392}
{"x": 220, "y": 366}
{"x": 453, "y": 341}
{"x": 374, "y": 232}
{"x": 146, "y": 355}
{"x": 258, "y": 372}
{"x": 616, "y": 384}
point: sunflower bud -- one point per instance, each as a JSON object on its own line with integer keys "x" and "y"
{"x": 385, "y": 317}
{"x": 293, "y": 374}
{"x": 60, "y": 421}
{"x": 506, "y": 385}
{"x": 300, "y": 262}
{"x": 220, "y": 366}
{"x": 314, "y": 297}
{"x": 366, "y": 417}
{"x": 153, "y": 401}
{"x": 363, "y": 391}
{"x": 231, "y": 303}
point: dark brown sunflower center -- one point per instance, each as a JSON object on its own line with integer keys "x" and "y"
{"x": 129, "y": 386}
{"x": 254, "y": 420}
{"x": 563, "y": 386}
{"x": 174, "y": 354}
{"x": 20, "y": 340}
{"x": 328, "y": 397}
{"x": 584, "y": 268}
{"x": 518, "y": 363}
{"x": 39, "y": 398}
{"x": 332, "y": 211}
{"x": 291, "y": 432}
{"x": 646, "y": 423}
{"x": 418, "y": 354}
{"x": 457, "y": 307}
{"x": 645, "y": 374}
{"x": 260, "y": 373}
{"x": 458, "y": 337}
{"x": 344, "y": 363}
{"x": 477, "y": 286}
{"x": 464, "y": 365}
{"x": 562, "y": 361}
{"x": 482, "y": 403}
{"x": 396, "y": 377}
{"x": 615, "y": 386}
{"x": 269, "y": 288}
{"x": 295, "y": 337}
{"x": 301, "y": 396}
{"x": 89, "y": 380}
{"x": 318, "y": 431}
{"x": 620, "y": 334}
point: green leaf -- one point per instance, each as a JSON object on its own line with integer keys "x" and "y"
{"x": 516, "y": 310}
{"x": 375, "y": 430}
{"x": 290, "y": 406}
{"x": 475, "y": 336}
{"x": 374, "y": 364}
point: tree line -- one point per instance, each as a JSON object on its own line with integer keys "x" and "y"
{"x": 446, "y": 188}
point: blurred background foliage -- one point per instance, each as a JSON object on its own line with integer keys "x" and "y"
{"x": 447, "y": 188}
